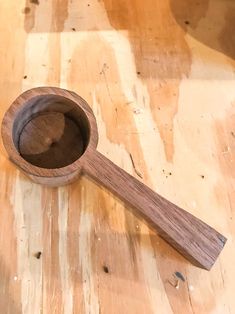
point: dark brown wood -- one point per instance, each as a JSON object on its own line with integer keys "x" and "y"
{"x": 194, "y": 239}
{"x": 54, "y": 135}
{"x": 46, "y": 131}
{"x": 51, "y": 135}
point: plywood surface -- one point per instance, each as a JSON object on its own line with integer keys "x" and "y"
{"x": 160, "y": 77}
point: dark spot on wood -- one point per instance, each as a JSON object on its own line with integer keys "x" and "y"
{"x": 170, "y": 173}
{"x": 202, "y": 176}
{"x": 138, "y": 73}
{"x": 38, "y": 255}
{"x": 179, "y": 276}
{"x": 106, "y": 269}
{"x": 53, "y": 144}
{"x": 222, "y": 239}
{"x": 26, "y": 10}
{"x": 74, "y": 29}
{"x": 232, "y": 133}
{"x": 35, "y": 2}
{"x": 25, "y": 77}
{"x": 186, "y": 22}
{"x": 88, "y": 5}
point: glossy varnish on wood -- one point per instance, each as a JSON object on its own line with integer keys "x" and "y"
{"x": 159, "y": 77}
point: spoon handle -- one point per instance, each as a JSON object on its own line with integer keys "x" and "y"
{"x": 191, "y": 237}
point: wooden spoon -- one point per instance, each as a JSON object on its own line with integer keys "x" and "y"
{"x": 51, "y": 135}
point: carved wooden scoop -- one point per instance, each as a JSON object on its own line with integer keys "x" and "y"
{"x": 51, "y": 135}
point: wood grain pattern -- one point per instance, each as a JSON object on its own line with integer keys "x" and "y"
{"x": 191, "y": 237}
{"x": 54, "y": 129}
{"x": 53, "y": 135}
{"x": 52, "y": 152}
{"x": 100, "y": 61}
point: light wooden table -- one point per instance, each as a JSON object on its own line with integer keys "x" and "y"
{"x": 160, "y": 77}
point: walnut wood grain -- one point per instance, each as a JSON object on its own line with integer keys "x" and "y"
{"x": 45, "y": 131}
{"x": 194, "y": 239}
{"x": 51, "y": 135}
